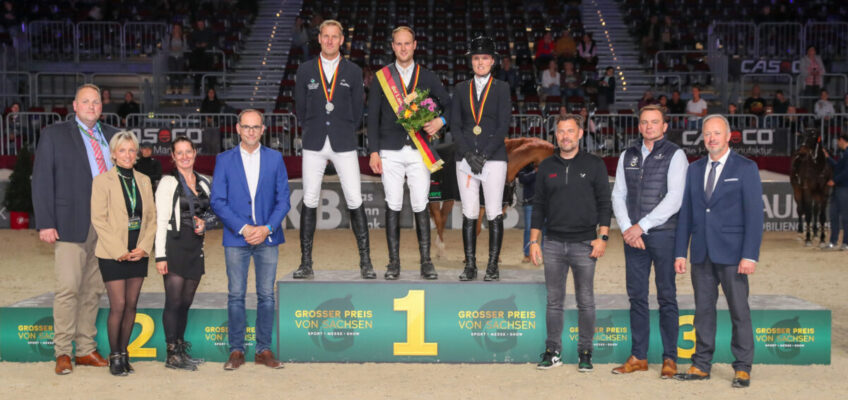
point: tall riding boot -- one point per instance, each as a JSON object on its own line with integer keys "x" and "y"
{"x": 307, "y": 234}
{"x": 422, "y": 228}
{"x": 393, "y": 240}
{"x": 469, "y": 242}
{"x": 360, "y": 231}
{"x": 495, "y": 241}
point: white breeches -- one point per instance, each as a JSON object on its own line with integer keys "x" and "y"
{"x": 347, "y": 167}
{"x": 407, "y": 163}
{"x": 494, "y": 173}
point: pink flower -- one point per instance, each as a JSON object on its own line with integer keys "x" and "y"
{"x": 431, "y": 107}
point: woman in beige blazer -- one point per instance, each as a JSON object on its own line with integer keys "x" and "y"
{"x": 123, "y": 213}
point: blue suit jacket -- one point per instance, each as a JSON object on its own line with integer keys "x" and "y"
{"x": 230, "y": 197}
{"x": 729, "y": 227}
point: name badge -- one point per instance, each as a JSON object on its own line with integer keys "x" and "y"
{"x": 135, "y": 223}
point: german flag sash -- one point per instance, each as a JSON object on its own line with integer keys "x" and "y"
{"x": 393, "y": 94}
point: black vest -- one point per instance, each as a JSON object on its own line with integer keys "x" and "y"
{"x": 647, "y": 180}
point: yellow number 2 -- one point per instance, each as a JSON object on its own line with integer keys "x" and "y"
{"x": 413, "y": 304}
{"x": 135, "y": 349}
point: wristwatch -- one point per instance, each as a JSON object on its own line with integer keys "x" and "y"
{"x": 532, "y": 242}
{"x": 270, "y": 230}
{"x": 604, "y": 237}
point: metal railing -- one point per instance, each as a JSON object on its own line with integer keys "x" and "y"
{"x": 836, "y": 85}
{"x": 529, "y": 125}
{"x": 56, "y": 85}
{"x": 788, "y": 40}
{"x": 780, "y": 39}
{"x": 52, "y": 40}
{"x": 99, "y": 40}
{"x": 106, "y": 118}
{"x": 737, "y": 38}
{"x": 830, "y": 39}
{"x": 16, "y": 86}
{"x": 94, "y": 41}
{"x": 143, "y": 39}
{"x": 23, "y": 130}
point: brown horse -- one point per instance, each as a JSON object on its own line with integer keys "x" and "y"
{"x": 522, "y": 151}
{"x": 809, "y": 176}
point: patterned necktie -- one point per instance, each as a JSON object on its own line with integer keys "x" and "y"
{"x": 98, "y": 152}
{"x": 711, "y": 180}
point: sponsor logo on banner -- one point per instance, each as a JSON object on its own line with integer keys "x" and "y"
{"x": 161, "y": 138}
{"x": 334, "y": 324}
{"x": 497, "y": 324}
{"x": 38, "y": 336}
{"x": 786, "y": 339}
{"x": 749, "y": 142}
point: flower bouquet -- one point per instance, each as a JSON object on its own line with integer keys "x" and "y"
{"x": 417, "y": 109}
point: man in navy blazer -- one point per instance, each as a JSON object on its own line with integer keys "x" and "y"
{"x": 69, "y": 155}
{"x": 250, "y": 195}
{"x": 722, "y": 213}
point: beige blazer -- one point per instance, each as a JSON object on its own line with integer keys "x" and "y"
{"x": 109, "y": 214}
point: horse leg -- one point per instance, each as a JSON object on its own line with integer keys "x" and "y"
{"x": 808, "y": 221}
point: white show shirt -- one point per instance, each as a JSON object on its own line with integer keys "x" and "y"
{"x": 480, "y": 84}
{"x": 251, "y": 172}
{"x": 330, "y": 67}
{"x": 405, "y": 73}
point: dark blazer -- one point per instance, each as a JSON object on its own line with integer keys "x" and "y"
{"x": 495, "y": 121}
{"x": 341, "y": 124}
{"x": 230, "y": 197}
{"x": 61, "y": 181}
{"x": 384, "y": 133}
{"x": 729, "y": 227}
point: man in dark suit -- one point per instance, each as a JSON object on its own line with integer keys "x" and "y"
{"x": 69, "y": 155}
{"x": 393, "y": 153}
{"x": 250, "y": 194}
{"x": 480, "y": 117}
{"x": 328, "y": 99}
{"x": 722, "y": 213}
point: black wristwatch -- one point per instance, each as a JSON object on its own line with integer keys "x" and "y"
{"x": 604, "y": 237}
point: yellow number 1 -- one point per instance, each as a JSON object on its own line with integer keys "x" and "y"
{"x": 413, "y": 304}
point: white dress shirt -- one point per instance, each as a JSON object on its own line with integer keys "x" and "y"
{"x": 251, "y": 172}
{"x": 405, "y": 73}
{"x": 668, "y": 206}
{"x": 480, "y": 84}
{"x": 330, "y": 67}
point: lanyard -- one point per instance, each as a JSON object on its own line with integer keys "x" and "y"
{"x": 132, "y": 196}
{"x": 95, "y": 129}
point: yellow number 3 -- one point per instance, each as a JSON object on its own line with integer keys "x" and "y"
{"x": 147, "y": 325}
{"x": 413, "y": 304}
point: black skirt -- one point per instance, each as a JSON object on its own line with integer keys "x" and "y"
{"x": 185, "y": 253}
{"x": 113, "y": 270}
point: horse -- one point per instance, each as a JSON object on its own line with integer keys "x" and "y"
{"x": 809, "y": 176}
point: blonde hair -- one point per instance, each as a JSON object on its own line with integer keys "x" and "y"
{"x": 119, "y": 139}
{"x": 330, "y": 22}
{"x": 251, "y": 110}
{"x": 403, "y": 28}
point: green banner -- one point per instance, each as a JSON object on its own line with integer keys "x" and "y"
{"x": 504, "y": 322}
{"x": 26, "y": 334}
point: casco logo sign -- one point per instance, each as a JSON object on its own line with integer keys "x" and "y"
{"x": 769, "y": 67}
{"x": 164, "y": 136}
{"x": 750, "y": 137}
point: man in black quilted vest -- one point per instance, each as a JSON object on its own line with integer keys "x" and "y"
{"x": 647, "y": 195}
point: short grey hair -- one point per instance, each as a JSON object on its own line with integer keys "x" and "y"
{"x": 119, "y": 139}
{"x": 717, "y": 116}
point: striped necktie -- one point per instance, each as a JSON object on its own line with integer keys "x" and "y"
{"x": 98, "y": 152}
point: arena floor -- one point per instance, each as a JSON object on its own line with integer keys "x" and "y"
{"x": 26, "y": 270}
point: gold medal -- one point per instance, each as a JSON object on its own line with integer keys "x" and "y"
{"x": 478, "y": 115}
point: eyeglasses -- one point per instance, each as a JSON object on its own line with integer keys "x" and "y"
{"x": 254, "y": 128}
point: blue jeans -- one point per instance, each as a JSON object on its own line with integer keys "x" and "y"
{"x": 839, "y": 214}
{"x": 659, "y": 251}
{"x": 238, "y": 263}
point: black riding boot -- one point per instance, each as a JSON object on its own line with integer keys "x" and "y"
{"x": 360, "y": 231}
{"x": 422, "y": 228}
{"x": 393, "y": 240}
{"x": 495, "y": 241}
{"x": 307, "y": 234}
{"x": 469, "y": 243}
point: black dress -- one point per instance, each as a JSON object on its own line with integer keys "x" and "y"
{"x": 112, "y": 270}
{"x": 185, "y": 249}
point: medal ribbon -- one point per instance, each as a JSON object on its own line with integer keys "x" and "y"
{"x": 415, "y": 81}
{"x": 328, "y": 96}
{"x": 478, "y": 116}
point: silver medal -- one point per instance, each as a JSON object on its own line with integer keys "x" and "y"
{"x": 329, "y": 107}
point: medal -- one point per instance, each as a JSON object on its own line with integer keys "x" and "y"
{"x": 328, "y": 94}
{"x": 474, "y": 113}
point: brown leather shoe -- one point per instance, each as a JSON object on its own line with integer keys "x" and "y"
{"x": 669, "y": 369}
{"x": 92, "y": 360}
{"x": 63, "y": 365}
{"x": 692, "y": 374}
{"x": 236, "y": 360}
{"x": 741, "y": 379}
{"x": 632, "y": 364}
{"x": 266, "y": 358}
